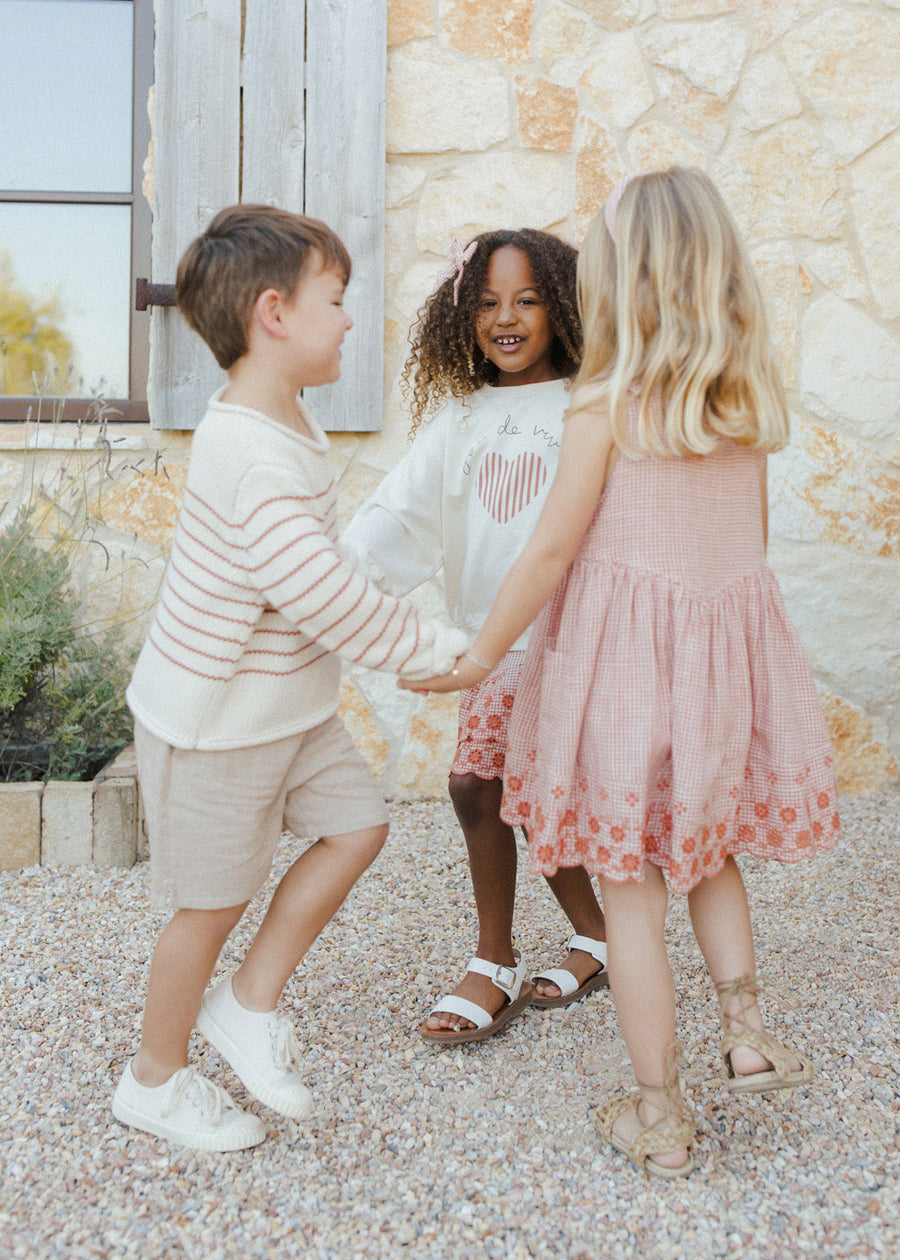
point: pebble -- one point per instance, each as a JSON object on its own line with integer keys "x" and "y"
{"x": 481, "y": 1151}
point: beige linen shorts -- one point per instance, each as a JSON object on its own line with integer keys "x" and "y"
{"x": 215, "y": 818}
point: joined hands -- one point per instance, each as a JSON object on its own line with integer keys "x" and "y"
{"x": 467, "y": 672}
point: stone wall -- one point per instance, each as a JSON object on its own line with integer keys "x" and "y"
{"x": 525, "y": 114}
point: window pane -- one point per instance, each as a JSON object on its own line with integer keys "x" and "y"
{"x": 65, "y": 296}
{"x": 65, "y": 95}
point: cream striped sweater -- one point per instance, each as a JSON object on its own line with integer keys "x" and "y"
{"x": 258, "y": 605}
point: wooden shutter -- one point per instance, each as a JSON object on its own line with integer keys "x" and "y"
{"x": 278, "y": 101}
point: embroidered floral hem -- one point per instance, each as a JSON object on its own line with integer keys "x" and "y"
{"x": 769, "y": 815}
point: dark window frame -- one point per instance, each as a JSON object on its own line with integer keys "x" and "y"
{"x": 133, "y": 408}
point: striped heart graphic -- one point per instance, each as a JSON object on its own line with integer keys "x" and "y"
{"x": 505, "y": 486}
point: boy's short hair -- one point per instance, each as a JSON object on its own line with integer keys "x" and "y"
{"x": 245, "y": 250}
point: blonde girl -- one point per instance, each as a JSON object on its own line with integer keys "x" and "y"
{"x": 666, "y": 719}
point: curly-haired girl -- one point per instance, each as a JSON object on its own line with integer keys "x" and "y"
{"x": 496, "y": 344}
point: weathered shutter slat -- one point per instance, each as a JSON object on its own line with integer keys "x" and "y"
{"x": 196, "y": 150}
{"x": 321, "y": 151}
{"x": 273, "y": 107}
{"x": 346, "y": 72}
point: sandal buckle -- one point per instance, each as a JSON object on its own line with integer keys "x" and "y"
{"x": 498, "y": 977}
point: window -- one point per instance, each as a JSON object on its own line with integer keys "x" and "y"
{"x": 74, "y": 225}
{"x": 281, "y": 103}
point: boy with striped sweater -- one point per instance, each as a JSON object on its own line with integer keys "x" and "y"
{"x": 235, "y": 693}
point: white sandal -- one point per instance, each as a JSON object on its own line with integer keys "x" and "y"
{"x": 570, "y": 990}
{"x": 511, "y": 980}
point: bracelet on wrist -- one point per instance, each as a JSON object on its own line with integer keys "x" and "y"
{"x": 476, "y": 661}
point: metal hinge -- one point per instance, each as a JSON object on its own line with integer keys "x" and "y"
{"x": 147, "y": 294}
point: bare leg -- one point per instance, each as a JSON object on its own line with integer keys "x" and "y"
{"x": 308, "y": 896}
{"x": 643, "y": 990}
{"x": 182, "y": 964}
{"x": 572, "y": 888}
{"x": 493, "y": 861}
{"x": 720, "y": 916}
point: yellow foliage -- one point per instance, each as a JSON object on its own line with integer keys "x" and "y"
{"x": 32, "y": 347}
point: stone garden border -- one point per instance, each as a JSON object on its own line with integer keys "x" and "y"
{"x": 97, "y": 823}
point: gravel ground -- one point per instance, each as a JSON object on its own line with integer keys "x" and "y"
{"x": 485, "y": 1151}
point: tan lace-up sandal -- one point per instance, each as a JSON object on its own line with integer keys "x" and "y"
{"x": 673, "y": 1130}
{"x": 737, "y": 1032}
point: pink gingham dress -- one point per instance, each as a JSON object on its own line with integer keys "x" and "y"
{"x": 666, "y": 711}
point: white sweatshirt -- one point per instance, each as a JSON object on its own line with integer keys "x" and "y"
{"x": 467, "y": 495}
{"x": 258, "y": 603}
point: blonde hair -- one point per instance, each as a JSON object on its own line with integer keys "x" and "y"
{"x": 672, "y": 310}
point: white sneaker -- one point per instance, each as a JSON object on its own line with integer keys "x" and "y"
{"x": 188, "y": 1109}
{"x": 260, "y": 1046}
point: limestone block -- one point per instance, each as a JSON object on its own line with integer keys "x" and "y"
{"x": 875, "y": 198}
{"x": 777, "y": 274}
{"x": 356, "y": 485}
{"x": 710, "y": 54}
{"x": 561, "y": 39}
{"x": 846, "y": 608}
{"x": 781, "y": 182}
{"x": 862, "y": 763}
{"x": 122, "y": 765}
{"x": 411, "y": 288}
{"x": 10, "y": 479}
{"x": 493, "y": 190}
{"x": 501, "y": 32}
{"x": 115, "y": 822}
{"x": 845, "y": 64}
{"x": 343, "y": 450}
{"x": 429, "y": 752}
{"x": 67, "y": 823}
{"x": 546, "y": 114}
{"x": 20, "y": 825}
{"x": 465, "y": 107}
{"x": 833, "y": 266}
{"x": 409, "y": 19}
{"x": 654, "y": 146}
{"x": 408, "y": 740}
{"x": 774, "y": 17}
{"x": 597, "y": 167}
{"x": 400, "y": 251}
{"x": 700, "y": 113}
{"x": 851, "y": 369}
{"x": 680, "y": 9}
{"x": 121, "y": 586}
{"x": 766, "y": 94}
{"x": 146, "y": 503}
{"x": 829, "y": 488}
{"x": 396, "y": 348}
{"x": 143, "y": 835}
{"x": 376, "y": 455}
{"x": 616, "y": 82}
{"x": 402, "y": 181}
{"x": 614, "y": 15}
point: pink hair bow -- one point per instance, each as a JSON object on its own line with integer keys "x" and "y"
{"x": 611, "y": 209}
{"x": 457, "y": 259}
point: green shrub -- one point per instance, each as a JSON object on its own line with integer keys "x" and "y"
{"x": 62, "y": 690}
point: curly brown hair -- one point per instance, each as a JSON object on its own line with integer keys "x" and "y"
{"x": 445, "y": 359}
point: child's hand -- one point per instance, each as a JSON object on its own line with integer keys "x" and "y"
{"x": 465, "y": 673}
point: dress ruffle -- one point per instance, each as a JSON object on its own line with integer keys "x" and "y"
{"x": 655, "y": 723}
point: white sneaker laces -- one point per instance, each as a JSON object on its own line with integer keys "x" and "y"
{"x": 206, "y": 1096}
{"x": 285, "y": 1046}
